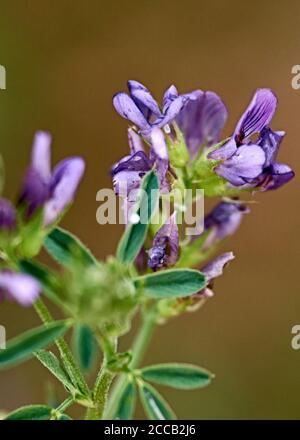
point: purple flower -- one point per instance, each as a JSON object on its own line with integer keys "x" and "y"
{"x": 250, "y": 164}
{"x": 241, "y": 158}
{"x": 165, "y": 246}
{"x": 141, "y": 108}
{"x": 129, "y": 171}
{"x": 224, "y": 220}
{"x": 201, "y": 121}
{"x": 274, "y": 174}
{"x": 19, "y": 287}
{"x": 7, "y": 215}
{"x": 52, "y": 190}
{"x": 213, "y": 270}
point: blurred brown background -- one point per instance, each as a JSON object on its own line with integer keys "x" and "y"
{"x": 64, "y": 61}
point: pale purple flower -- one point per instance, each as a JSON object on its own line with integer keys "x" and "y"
{"x": 274, "y": 174}
{"x": 201, "y": 121}
{"x": 7, "y": 215}
{"x": 224, "y": 220}
{"x": 19, "y": 287}
{"x": 213, "y": 270}
{"x": 128, "y": 173}
{"x": 142, "y": 110}
{"x": 51, "y": 190}
{"x": 242, "y": 159}
{"x": 165, "y": 246}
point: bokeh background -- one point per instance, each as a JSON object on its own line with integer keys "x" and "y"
{"x": 64, "y": 60}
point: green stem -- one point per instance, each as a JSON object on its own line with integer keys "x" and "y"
{"x": 67, "y": 357}
{"x": 65, "y": 404}
{"x": 138, "y": 350}
{"x": 103, "y": 381}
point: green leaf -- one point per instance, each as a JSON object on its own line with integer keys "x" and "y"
{"x": 127, "y": 402}
{"x": 47, "y": 278}
{"x": 85, "y": 346}
{"x": 171, "y": 283}
{"x": 50, "y": 361}
{"x": 182, "y": 376}
{"x": 64, "y": 247}
{"x": 31, "y": 412}
{"x": 23, "y": 347}
{"x": 135, "y": 234}
{"x": 154, "y": 404}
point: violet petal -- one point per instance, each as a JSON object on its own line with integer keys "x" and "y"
{"x": 65, "y": 180}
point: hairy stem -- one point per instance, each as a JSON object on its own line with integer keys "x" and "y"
{"x": 138, "y": 350}
{"x": 65, "y": 404}
{"x": 103, "y": 381}
{"x": 67, "y": 357}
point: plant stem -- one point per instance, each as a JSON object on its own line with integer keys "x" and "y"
{"x": 67, "y": 357}
{"x": 138, "y": 350}
{"x": 103, "y": 381}
{"x": 65, "y": 404}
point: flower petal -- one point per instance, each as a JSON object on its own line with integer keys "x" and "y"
{"x": 215, "y": 268}
{"x": 65, "y": 180}
{"x": 35, "y": 191}
{"x": 7, "y": 215}
{"x": 171, "y": 112}
{"x": 170, "y": 95}
{"x": 280, "y": 175}
{"x": 20, "y": 287}
{"x": 41, "y": 154}
{"x": 128, "y": 173}
{"x": 124, "y": 182}
{"x": 247, "y": 163}
{"x": 143, "y": 99}
{"x": 135, "y": 141}
{"x": 270, "y": 141}
{"x": 165, "y": 246}
{"x": 201, "y": 120}
{"x": 224, "y": 220}
{"x": 225, "y": 151}
{"x": 257, "y": 115}
{"x": 127, "y": 108}
{"x": 159, "y": 156}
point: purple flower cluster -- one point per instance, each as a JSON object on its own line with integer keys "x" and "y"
{"x": 242, "y": 161}
{"x": 51, "y": 190}
{"x": 248, "y": 159}
{"x": 43, "y": 189}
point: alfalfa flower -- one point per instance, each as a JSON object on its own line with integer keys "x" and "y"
{"x": 247, "y": 163}
{"x": 19, "y": 287}
{"x": 165, "y": 246}
{"x": 142, "y": 110}
{"x": 128, "y": 173}
{"x": 7, "y": 215}
{"x": 51, "y": 190}
{"x": 201, "y": 120}
{"x": 224, "y": 220}
{"x": 212, "y": 270}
